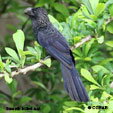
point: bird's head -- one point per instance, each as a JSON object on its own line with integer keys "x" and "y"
{"x": 38, "y": 16}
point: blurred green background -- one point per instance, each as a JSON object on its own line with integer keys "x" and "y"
{"x": 75, "y": 19}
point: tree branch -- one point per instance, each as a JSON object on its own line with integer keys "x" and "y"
{"x": 111, "y": 85}
{"x": 82, "y": 42}
{"x": 109, "y": 20}
{"x": 24, "y": 70}
{"x": 37, "y": 65}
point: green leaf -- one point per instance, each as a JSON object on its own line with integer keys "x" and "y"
{"x": 93, "y": 17}
{"x": 11, "y": 27}
{"x": 16, "y": 94}
{"x": 74, "y": 108}
{"x": 87, "y": 75}
{"x": 88, "y": 46}
{"x": 19, "y": 39}
{"x": 90, "y": 22}
{"x": 7, "y": 78}
{"x": 70, "y": 103}
{"x": 37, "y": 44}
{"x": 55, "y": 22}
{"x": 40, "y": 84}
{"x": 98, "y": 68}
{"x": 32, "y": 50}
{"x": 87, "y": 58}
{"x": 109, "y": 43}
{"x": 62, "y": 9}
{"x": 74, "y": 22}
{"x": 93, "y": 87}
{"x": 47, "y": 62}
{"x": 39, "y": 51}
{"x": 12, "y": 53}
{"x": 78, "y": 58}
{"x": 3, "y": 96}
{"x": 110, "y": 27}
{"x": 8, "y": 69}
{"x": 27, "y": 53}
{"x": 100, "y": 39}
{"x": 77, "y": 52}
{"x": 99, "y": 9}
{"x": 85, "y": 11}
{"x": 24, "y": 99}
{"x": 13, "y": 86}
{"x": 109, "y": 2}
{"x": 104, "y": 79}
{"x": 23, "y": 57}
{"x": 100, "y": 23}
{"x": 1, "y": 64}
{"x": 106, "y": 95}
{"x": 46, "y": 109}
{"x": 66, "y": 31}
{"x": 88, "y": 5}
{"x": 106, "y": 61}
{"x": 111, "y": 10}
{"x": 94, "y": 4}
{"x": 110, "y": 106}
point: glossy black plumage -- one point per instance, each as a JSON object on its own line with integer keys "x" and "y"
{"x": 56, "y": 45}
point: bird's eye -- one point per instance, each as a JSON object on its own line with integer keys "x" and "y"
{"x": 34, "y": 11}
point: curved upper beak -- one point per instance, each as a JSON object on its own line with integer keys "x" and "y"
{"x": 29, "y": 12}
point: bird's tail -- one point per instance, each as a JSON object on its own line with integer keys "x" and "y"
{"x": 73, "y": 84}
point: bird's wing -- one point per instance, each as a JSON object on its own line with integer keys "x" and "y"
{"x": 58, "y": 48}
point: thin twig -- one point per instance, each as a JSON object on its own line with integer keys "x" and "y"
{"x": 111, "y": 85}
{"x": 82, "y": 42}
{"x": 24, "y": 70}
{"x": 37, "y": 65}
{"x": 109, "y": 20}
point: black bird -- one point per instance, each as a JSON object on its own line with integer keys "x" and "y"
{"x": 56, "y": 45}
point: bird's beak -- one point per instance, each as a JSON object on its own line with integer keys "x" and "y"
{"x": 29, "y": 12}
